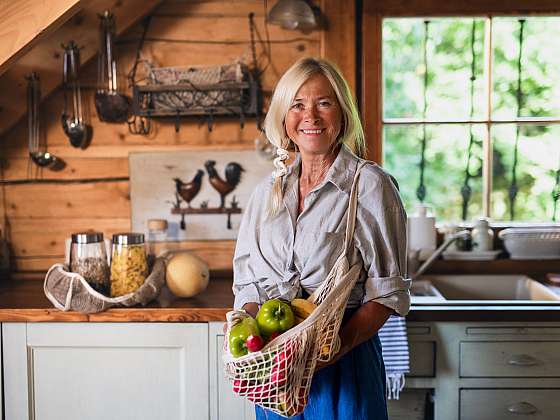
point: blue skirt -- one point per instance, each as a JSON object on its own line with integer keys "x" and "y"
{"x": 353, "y": 388}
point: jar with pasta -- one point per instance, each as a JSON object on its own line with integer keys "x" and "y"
{"x": 129, "y": 267}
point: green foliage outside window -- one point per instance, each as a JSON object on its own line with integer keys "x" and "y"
{"x": 448, "y": 98}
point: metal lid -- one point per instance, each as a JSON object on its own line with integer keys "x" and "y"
{"x": 128, "y": 238}
{"x": 87, "y": 237}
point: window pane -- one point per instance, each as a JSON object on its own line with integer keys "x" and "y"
{"x": 446, "y": 152}
{"x": 540, "y": 67}
{"x": 538, "y": 159}
{"x": 449, "y": 68}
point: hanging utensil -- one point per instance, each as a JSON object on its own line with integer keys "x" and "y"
{"x": 42, "y": 159}
{"x": 74, "y": 126}
{"x": 111, "y": 105}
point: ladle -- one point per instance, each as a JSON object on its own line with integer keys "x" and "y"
{"x": 74, "y": 126}
{"x": 111, "y": 105}
{"x": 42, "y": 159}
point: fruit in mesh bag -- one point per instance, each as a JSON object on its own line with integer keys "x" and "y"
{"x": 275, "y": 316}
{"x": 242, "y": 336}
{"x": 302, "y": 308}
{"x": 296, "y": 406}
{"x": 280, "y": 364}
{"x": 260, "y": 393}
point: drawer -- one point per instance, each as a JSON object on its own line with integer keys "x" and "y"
{"x": 505, "y": 404}
{"x": 422, "y": 359}
{"x": 510, "y": 359}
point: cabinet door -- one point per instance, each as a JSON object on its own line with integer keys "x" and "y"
{"x": 224, "y": 403}
{"x": 106, "y": 371}
{"x": 505, "y": 404}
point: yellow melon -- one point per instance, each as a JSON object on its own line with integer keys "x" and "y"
{"x": 186, "y": 275}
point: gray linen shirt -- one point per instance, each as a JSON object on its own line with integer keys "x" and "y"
{"x": 275, "y": 257}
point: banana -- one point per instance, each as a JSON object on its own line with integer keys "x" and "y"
{"x": 302, "y": 308}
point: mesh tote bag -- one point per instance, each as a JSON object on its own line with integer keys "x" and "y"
{"x": 279, "y": 376}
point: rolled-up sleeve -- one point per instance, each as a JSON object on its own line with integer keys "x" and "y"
{"x": 381, "y": 238}
{"x": 246, "y": 288}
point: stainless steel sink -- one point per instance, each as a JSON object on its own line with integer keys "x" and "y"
{"x": 481, "y": 290}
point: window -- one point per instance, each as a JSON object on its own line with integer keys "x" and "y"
{"x": 429, "y": 98}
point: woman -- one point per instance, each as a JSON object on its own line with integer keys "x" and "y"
{"x": 293, "y": 230}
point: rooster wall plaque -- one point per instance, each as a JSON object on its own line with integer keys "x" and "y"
{"x": 201, "y": 194}
{"x": 186, "y": 191}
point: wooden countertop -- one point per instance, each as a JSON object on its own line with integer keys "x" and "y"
{"x": 23, "y": 300}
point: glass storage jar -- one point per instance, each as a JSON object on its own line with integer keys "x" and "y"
{"x": 88, "y": 258}
{"x": 129, "y": 266}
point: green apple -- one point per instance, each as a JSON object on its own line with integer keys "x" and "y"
{"x": 275, "y": 315}
{"x": 238, "y": 336}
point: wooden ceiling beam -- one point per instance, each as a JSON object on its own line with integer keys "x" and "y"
{"x": 26, "y": 22}
{"x": 45, "y": 57}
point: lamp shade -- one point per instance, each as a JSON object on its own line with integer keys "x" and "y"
{"x": 292, "y": 14}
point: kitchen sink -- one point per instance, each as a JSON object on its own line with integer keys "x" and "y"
{"x": 480, "y": 290}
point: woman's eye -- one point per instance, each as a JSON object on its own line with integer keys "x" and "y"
{"x": 324, "y": 103}
{"x": 297, "y": 106}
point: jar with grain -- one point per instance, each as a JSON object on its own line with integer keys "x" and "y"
{"x": 88, "y": 258}
{"x": 129, "y": 267}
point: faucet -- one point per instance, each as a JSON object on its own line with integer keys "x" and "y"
{"x": 437, "y": 252}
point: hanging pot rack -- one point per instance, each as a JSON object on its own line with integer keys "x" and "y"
{"x": 240, "y": 98}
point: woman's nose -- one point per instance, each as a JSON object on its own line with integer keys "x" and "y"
{"x": 311, "y": 114}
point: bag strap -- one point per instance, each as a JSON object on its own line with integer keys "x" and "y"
{"x": 349, "y": 235}
{"x": 352, "y": 210}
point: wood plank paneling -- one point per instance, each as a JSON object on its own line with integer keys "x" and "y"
{"x": 75, "y": 201}
{"x": 44, "y": 237}
{"x": 76, "y": 168}
{"x": 339, "y": 40}
{"x": 25, "y": 22}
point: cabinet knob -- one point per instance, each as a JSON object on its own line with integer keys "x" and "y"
{"x": 522, "y": 408}
{"x": 522, "y": 360}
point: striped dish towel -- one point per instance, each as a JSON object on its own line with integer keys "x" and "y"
{"x": 394, "y": 343}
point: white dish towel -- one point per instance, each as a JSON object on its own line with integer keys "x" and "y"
{"x": 394, "y": 342}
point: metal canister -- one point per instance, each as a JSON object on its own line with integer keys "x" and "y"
{"x": 129, "y": 266}
{"x": 88, "y": 258}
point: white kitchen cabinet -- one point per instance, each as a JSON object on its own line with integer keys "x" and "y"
{"x": 105, "y": 371}
{"x": 224, "y": 403}
{"x": 487, "y": 370}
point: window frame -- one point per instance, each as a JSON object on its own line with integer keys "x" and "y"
{"x": 371, "y": 72}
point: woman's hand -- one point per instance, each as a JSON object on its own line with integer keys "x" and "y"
{"x": 365, "y": 322}
{"x": 251, "y": 308}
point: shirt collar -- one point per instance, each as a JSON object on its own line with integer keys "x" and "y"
{"x": 340, "y": 174}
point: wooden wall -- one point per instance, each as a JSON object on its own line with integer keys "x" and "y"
{"x": 38, "y": 216}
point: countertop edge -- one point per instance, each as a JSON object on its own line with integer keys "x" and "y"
{"x": 416, "y": 314}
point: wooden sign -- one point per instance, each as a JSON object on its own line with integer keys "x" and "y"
{"x": 201, "y": 194}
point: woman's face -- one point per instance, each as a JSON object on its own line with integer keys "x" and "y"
{"x": 314, "y": 118}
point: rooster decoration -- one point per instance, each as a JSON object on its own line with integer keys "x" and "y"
{"x": 188, "y": 190}
{"x": 224, "y": 187}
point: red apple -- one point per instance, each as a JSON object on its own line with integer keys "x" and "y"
{"x": 274, "y": 335}
{"x": 254, "y": 343}
{"x": 260, "y": 393}
{"x": 239, "y": 386}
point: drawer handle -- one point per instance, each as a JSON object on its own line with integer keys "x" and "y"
{"x": 522, "y": 360}
{"x": 522, "y": 408}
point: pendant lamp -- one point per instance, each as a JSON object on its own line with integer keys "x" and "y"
{"x": 292, "y": 14}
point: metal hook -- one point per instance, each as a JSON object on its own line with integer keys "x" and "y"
{"x": 177, "y": 121}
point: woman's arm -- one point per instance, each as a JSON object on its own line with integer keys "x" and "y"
{"x": 363, "y": 325}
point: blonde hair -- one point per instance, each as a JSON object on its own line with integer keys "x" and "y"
{"x": 352, "y": 133}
